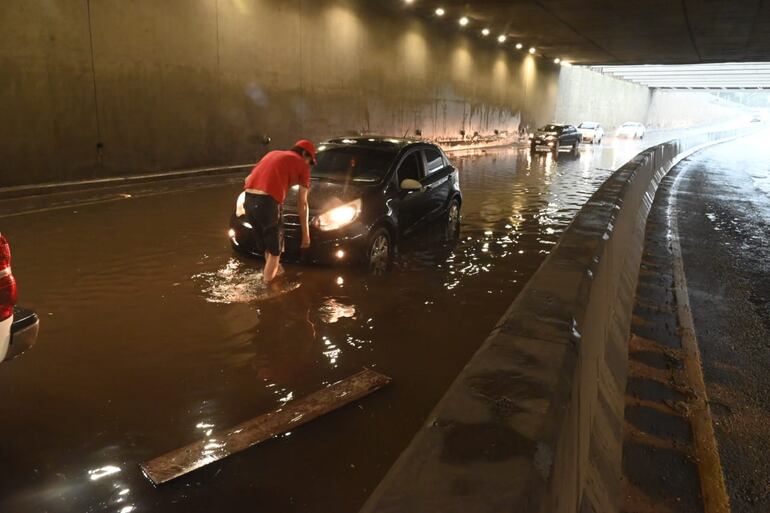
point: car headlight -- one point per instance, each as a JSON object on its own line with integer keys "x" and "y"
{"x": 338, "y": 217}
{"x": 239, "y": 210}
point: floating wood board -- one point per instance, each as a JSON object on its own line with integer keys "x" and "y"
{"x": 294, "y": 413}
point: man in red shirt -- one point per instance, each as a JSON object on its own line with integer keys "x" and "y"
{"x": 266, "y": 188}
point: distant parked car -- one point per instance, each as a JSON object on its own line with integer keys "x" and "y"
{"x": 555, "y": 137}
{"x": 756, "y": 118}
{"x": 591, "y": 132}
{"x": 18, "y": 326}
{"x": 631, "y": 130}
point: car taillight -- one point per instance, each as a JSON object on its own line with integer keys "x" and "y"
{"x": 8, "y": 290}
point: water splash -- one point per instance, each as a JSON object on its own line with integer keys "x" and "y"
{"x": 236, "y": 282}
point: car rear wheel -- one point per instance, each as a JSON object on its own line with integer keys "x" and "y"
{"x": 379, "y": 252}
{"x": 453, "y": 220}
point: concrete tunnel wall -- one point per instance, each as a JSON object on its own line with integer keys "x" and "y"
{"x": 585, "y": 95}
{"x": 115, "y": 88}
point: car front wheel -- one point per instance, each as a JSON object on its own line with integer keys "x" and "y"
{"x": 379, "y": 252}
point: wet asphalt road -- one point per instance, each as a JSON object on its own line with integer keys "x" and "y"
{"x": 154, "y": 334}
{"x": 723, "y": 205}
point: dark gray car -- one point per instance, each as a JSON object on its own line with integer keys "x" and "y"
{"x": 555, "y": 137}
{"x": 366, "y": 194}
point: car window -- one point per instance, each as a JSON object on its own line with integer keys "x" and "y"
{"x": 411, "y": 167}
{"x": 433, "y": 160}
{"x": 587, "y": 125}
{"x": 345, "y": 163}
{"x": 551, "y": 128}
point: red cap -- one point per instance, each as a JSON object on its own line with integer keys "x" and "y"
{"x": 307, "y": 146}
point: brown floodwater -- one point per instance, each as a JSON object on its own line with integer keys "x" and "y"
{"x": 154, "y": 334}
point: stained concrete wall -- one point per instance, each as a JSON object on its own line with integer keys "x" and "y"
{"x": 112, "y": 88}
{"x": 585, "y": 95}
{"x": 675, "y": 109}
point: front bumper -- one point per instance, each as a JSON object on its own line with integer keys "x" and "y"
{"x": 24, "y": 331}
{"x": 543, "y": 145}
{"x": 344, "y": 246}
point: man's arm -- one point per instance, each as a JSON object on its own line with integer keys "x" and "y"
{"x": 304, "y": 215}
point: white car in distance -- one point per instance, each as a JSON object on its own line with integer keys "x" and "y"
{"x": 591, "y": 132}
{"x": 631, "y": 130}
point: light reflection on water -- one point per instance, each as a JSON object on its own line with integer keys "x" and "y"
{"x": 333, "y": 310}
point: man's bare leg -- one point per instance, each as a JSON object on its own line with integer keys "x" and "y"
{"x": 272, "y": 267}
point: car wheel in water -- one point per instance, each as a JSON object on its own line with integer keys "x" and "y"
{"x": 576, "y": 148}
{"x": 379, "y": 252}
{"x": 453, "y": 220}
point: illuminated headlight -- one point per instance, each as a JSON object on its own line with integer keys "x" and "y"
{"x": 338, "y": 217}
{"x": 239, "y": 210}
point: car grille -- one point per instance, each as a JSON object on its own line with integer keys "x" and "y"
{"x": 291, "y": 225}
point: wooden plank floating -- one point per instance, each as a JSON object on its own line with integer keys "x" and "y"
{"x": 293, "y": 414}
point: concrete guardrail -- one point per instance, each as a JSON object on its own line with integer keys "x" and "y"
{"x": 534, "y": 421}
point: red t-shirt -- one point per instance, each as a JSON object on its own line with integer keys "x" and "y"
{"x": 276, "y": 172}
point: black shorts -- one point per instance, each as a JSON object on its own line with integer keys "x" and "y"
{"x": 265, "y": 216}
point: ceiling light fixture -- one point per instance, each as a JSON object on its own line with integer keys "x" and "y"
{"x": 556, "y": 60}
{"x": 519, "y": 46}
{"x": 501, "y": 38}
{"x": 463, "y": 21}
{"x": 440, "y": 12}
{"x": 532, "y": 50}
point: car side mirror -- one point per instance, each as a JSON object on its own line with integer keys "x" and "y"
{"x": 409, "y": 184}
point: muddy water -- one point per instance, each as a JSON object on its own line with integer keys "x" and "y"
{"x": 154, "y": 335}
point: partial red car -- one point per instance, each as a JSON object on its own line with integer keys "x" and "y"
{"x": 18, "y": 326}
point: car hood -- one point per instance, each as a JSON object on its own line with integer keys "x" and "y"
{"x": 325, "y": 195}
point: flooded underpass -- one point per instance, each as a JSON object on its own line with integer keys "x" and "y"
{"x": 154, "y": 334}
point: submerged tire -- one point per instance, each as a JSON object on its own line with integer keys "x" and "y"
{"x": 379, "y": 252}
{"x": 453, "y": 220}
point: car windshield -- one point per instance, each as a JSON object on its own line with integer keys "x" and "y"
{"x": 551, "y": 128}
{"x": 587, "y": 125}
{"x": 628, "y": 125}
{"x": 353, "y": 163}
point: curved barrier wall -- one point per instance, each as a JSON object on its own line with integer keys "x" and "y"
{"x": 533, "y": 423}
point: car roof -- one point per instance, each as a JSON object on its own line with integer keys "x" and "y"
{"x": 376, "y": 141}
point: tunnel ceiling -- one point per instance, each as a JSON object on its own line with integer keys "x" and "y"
{"x": 622, "y": 31}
